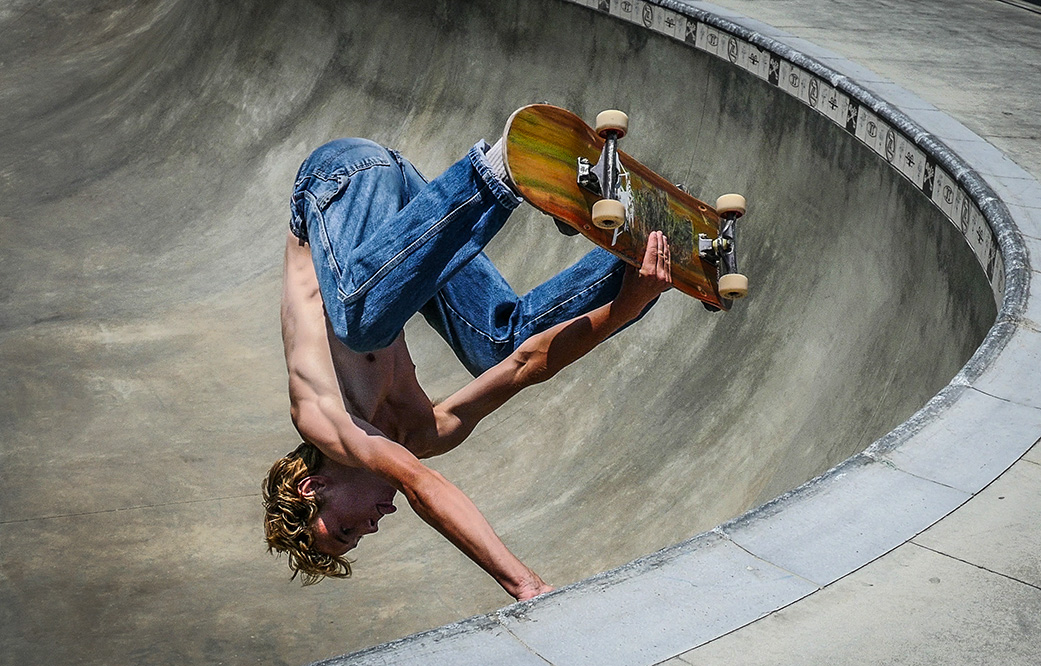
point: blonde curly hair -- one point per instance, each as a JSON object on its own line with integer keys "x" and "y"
{"x": 288, "y": 517}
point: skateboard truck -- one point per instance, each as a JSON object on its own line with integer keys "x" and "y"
{"x": 711, "y": 249}
{"x": 603, "y": 178}
{"x": 591, "y": 176}
{"x": 722, "y": 250}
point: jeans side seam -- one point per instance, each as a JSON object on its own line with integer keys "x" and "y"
{"x": 542, "y": 315}
{"x": 533, "y": 321}
{"x": 400, "y": 256}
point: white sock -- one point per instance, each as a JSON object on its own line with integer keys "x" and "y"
{"x": 497, "y": 162}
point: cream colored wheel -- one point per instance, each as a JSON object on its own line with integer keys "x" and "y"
{"x": 733, "y": 286}
{"x": 608, "y": 214}
{"x": 730, "y": 203}
{"x": 612, "y": 120}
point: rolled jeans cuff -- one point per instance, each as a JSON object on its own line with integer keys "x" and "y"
{"x": 502, "y": 192}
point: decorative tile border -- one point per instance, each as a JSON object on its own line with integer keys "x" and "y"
{"x": 835, "y": 98}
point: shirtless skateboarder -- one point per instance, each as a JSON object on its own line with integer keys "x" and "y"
{"x": 370, "y": 244}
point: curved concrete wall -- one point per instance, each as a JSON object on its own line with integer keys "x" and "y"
{"x": 144, "y": 198}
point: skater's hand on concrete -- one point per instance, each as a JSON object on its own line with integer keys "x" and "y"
{"x": 642, "y": 285}
{"x": 532, "y": 587}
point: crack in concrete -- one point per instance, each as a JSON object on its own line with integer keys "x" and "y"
{"x": 978, "y": 566}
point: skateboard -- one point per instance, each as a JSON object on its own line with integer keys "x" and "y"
{"x": 577, "y": 175}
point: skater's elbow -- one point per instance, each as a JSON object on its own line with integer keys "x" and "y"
{"x": 532, "y": 366}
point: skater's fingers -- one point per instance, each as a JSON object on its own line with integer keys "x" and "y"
{"x": 651, "y": 256}
{"x": 666, "y": 260}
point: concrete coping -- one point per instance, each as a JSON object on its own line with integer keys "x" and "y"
{"x": 982, "y": 422}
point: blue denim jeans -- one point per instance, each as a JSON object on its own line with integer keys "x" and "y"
{"x": 387, "y": 244}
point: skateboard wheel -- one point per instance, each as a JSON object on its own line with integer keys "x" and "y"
{"x": 730, "y": 203}
{"x": 733, "y": 286}
{"x": 612, "y": 120}
{"x": 608, "y": 214}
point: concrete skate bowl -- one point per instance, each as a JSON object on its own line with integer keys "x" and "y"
{"x": 149, "y": 150}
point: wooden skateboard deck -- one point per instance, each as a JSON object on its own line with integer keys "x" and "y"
{"x": 543, "y": 144}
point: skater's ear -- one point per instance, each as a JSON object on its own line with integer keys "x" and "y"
{"x": 310, "y": 486}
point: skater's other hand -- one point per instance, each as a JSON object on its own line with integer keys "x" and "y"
{"x": 642, "y": 285}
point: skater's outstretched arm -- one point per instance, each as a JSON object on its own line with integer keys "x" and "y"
{"x": 543, "y": 355}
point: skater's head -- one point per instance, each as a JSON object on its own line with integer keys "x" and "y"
{"x": 316, "y": 511}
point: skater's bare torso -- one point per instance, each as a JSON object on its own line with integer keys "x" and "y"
{"x": 378, "y": 388}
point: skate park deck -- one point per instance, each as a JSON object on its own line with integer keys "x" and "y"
{"x": 148, "y": 158}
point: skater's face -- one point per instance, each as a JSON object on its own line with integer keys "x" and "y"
{"x": 352, "y": 502}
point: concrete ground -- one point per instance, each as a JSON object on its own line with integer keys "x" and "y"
{"x": 148, "y": 150}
